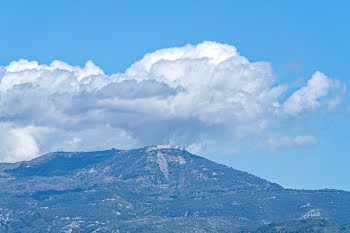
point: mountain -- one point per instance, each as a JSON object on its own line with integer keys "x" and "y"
{"x": 156, "y": 188}
{"x": 308, "y": 225}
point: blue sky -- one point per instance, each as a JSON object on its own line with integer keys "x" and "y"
{"x": 296, "y": 38}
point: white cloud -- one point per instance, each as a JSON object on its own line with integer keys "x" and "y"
{"x": 16, "y": 143}
{"x": 291, "y": 142}
{"x": 204, "y": 96}
{"x": 310, "y": 96}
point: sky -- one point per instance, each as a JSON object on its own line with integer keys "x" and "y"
{"x": 257, "y": 85}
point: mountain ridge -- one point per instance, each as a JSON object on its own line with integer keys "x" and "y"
{"x": 154, "y": 184}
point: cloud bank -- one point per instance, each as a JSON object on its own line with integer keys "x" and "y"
{"x": 205, "y": 97}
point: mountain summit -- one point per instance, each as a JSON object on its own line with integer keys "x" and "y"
{"x": 157, "y": 188}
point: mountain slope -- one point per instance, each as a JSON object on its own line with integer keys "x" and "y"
{"x": 309, "y": 225}
{"x": 149, "y": 187}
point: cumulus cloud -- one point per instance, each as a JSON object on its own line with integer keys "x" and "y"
{"x": 206, "y": 97}
{"x": 16, "y": 143}
{"x": 310, "y": 97}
